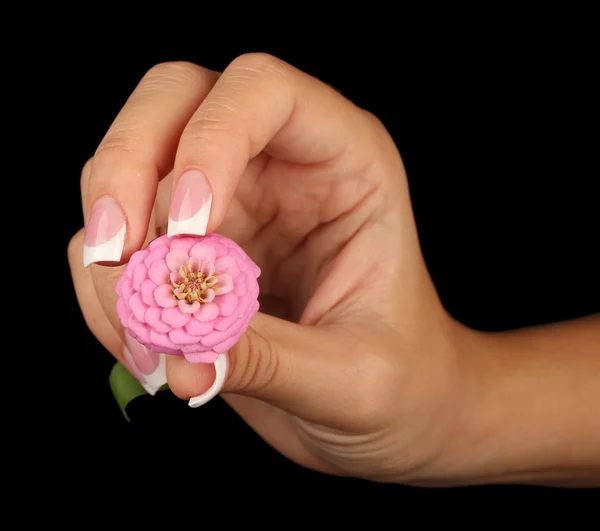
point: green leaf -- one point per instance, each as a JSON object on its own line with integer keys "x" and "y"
{"x": 124, "y": 387}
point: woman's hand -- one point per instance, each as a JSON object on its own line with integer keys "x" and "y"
{"x": 354, "y": 371}
{"x": 353, "y": 367}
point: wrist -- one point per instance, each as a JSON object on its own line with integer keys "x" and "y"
{"x": 527, "y": 409}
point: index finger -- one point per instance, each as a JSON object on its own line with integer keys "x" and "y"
{"x": 137, "y": 151}
{"x": 259, "y": 103}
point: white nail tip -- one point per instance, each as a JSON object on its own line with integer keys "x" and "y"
{"x": 109, "y": 251}
{"x": 220, "y": 375}
{"x": 195, "y": 225}
{"x": 159, "y": 377}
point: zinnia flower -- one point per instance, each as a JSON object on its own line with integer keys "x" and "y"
{"x": 189, "y": 296}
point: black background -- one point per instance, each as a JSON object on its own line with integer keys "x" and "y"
{"x": 499, "y": 138}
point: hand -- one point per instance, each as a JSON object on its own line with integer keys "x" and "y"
{"x": 353, "y": 367}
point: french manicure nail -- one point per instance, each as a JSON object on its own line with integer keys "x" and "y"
{"x": 190, "y": 205}
{"x": 150, "y": 364}
{"x": 105, "y": 232}
{"x": 131, "y": 367}
{"x": 221, "y": 365}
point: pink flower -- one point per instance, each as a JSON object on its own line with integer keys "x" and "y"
{"x": 188, "y": 296}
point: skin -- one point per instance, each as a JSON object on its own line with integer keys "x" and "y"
{"x": 352, "y": 367}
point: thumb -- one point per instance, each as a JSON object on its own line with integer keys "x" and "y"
{"x": 286, "y": 364}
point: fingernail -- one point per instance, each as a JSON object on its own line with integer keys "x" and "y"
{"x": 151, "y": 365}
{"x": 190, "y": 205}
{"x": 105, "y": 232}
{"x": 221, "y": 365}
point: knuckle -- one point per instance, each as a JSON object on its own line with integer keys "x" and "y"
{"x": 174, "y": 71}
{"x": 262, "y": 64}
{"x": 255, "y": 362}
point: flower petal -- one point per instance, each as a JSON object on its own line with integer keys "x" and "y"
{"x": 140, "y": 273}
{"x": 162, "y": 340}
{"x": 136, "y": 259}
{"x": 225, "y": 284}
{"x": 196, "y": 328}
{"x": 175, "y": 317}
{"x": 215, "y": 337}
{"x": 195, "y": 264}
{"x": 147, "y": 291}
{"x": 185, "y": 243}
{"x": 138, "y": 330}
{"x": 159, "y": 272}
{"x": 196, "y": 347}
{"x": 187, "y": 308}
{"x": 158, "y": 242}
{"x": 226, "y": 304}
{"x": 163, "y": 295}
{"x": 203, "y": 251}
{"x": 201, "y": 357}
{"x": 137, "y": 307}
{"x": 153, "y": 318}
{"x": 208, "y": 268}
{"x": 180, "y": 337}
{"x": 123, "y": 312}
{"x": 209, "y": 295}
{"x": 224, "y": 264}
{"x": 176, "y": 259}
{"x": 175, "y": 278}
{"x": 127, "y": 289}
{"x": 207, "y": 312}
{"x": 158, "y": 253}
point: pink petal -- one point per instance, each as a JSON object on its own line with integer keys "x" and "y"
{"x": 241, "y": 286}
{"x": 184, "y": 243}
{"x": 159, "y": 272}
{"x": 153, "y": 318}
{"x": 174, "y": 317}
{"x": 176, "y": 260}
{"x": 203, "y": 251}
{"x": 195, "y": 264}
{"x": 225, "y": 284}
{"x": 220, "y": 249}
{"x": 162, "y": 340}
{"x": 157, "y": 253}
{"x": 208, "y": 268}
{"x": 224, "y": 323}
{"x": 201, "y": 357}
{"x": 207, "y": 312}
{"x": 140, "y": 273}
{"x": 127, "y": 289}
{"x": 226, "y": 304}
{"x": 123, "y": 312}
{"x": 138, "y": 330}
{"x": 137, "y": 307}
{"x": 136, "y": 259}
{"x": 180, "y": 337}
{"x": 147, "y": 291}
{"x": 214, "y": 338}
{"x": 191, "y": 349}
{"x": 196, "y": 328}
{"x": 224, "y": 264}
{"x": 228, "y": 343}
{"x": 175, "y": 278}
{"x": 158, "y": 242}
{"x": 209, "y": 295}
{"x": 163, "y": 295}
{"x": 187, "y": 308}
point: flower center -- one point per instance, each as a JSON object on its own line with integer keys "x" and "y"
{"x": 195, "y": 284}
